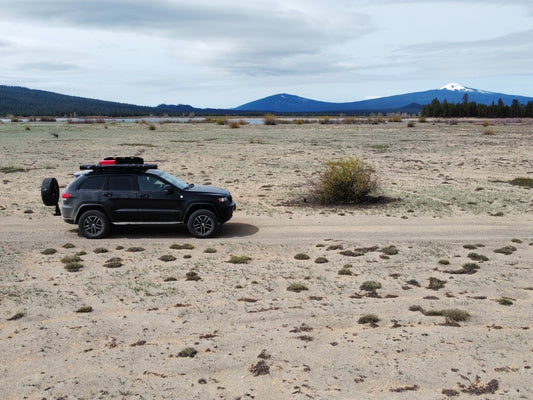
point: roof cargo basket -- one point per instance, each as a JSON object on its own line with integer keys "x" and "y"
{"x": 121, "y": 160}
{"x": 119, "y": 163}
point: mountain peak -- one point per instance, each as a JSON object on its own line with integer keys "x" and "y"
{"x": 456, "y": 87}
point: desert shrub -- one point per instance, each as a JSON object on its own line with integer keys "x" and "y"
{"x": 507, "y": 250}
{"x": 390, "y": 250}
{"x": 370, "y": 285}
{"x": 184, "y": 246}
{"x": 345, "y": 181}
{"x": 525, "y": 182}
{"x": 69, "y": 259}
{"x": 411, "y": 124}
{"x": 477, "y": 257}
{"x": 210, "y": 250}
{"x": 49, "y": 251}
{"x": 84, "y": 309}
{"x": 301, "y": 256}
{"x": 321, "y": 260}
{"x": 395, "y": 118}
{"x": 270, "y": 119}
{"x": 188, "y": 352}
{"x": 73, "y": 266}
{"x": 413, "y": 282}
{"x": 234, "y": 124}
{"x": 369, "y": 319}
{"x": 297, "y": 287}
{"x": 192, "y": 276}
{"x": 100, "y": 250}
{"x": 470, "y": 268}
{"x": 239, "y": 260}
{"x": 167, "y": 257}
{"x": 135, "y": 249}
{"x": 505, "y": 301}
{"x": 455, "y": 314}
{"x": 345, "y": 271}
{"x": 435, "y": 283}
{"x": 489, "y": 132}
{"x": 115, "y": 262}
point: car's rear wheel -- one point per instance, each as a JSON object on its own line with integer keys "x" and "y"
{"x": 202, "y": 223}
{"x": 50, "y": 191}
{"x": 94, "y": 224}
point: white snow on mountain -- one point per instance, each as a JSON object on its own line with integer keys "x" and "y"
{"x": 456, "y": 87}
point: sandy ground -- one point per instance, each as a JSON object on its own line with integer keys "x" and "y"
{"x": 250, "y": 337}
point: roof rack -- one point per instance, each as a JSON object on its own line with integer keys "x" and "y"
{"x": 119, "y": 163}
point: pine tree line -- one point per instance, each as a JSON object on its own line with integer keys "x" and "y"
{"x": 472, "y": 109}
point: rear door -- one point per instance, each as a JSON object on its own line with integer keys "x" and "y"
{"x": 120, "y": 198}
{"x": 158, "y": 201}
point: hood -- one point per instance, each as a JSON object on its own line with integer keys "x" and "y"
{"x": 215, "y": 191}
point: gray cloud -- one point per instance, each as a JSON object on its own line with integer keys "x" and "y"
{"x": 509, "y": 54}
{"x": 46, "y": 66}
{"x": 258, "y": 38}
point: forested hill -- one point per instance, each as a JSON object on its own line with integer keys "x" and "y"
{"x": 19, "y": 101}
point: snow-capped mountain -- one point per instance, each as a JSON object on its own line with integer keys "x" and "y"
{"x": 456, "y": 86}
{"x": 410, "y": 102}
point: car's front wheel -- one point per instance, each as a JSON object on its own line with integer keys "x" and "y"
{"x": 202, "y": 223}
{"x": 94, "y": 224}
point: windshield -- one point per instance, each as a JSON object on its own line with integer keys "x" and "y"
{"x": 173, "y": 180}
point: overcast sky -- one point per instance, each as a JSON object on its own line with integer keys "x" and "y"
{"x": 210, "y": 53}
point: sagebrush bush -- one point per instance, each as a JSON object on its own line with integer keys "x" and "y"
{"x": 345, "y": 181}
{"x": 270, "y": 119}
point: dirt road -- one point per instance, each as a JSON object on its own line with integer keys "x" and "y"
{"x": 289, "y": 229}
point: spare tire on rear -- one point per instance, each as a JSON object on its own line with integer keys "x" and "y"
{"x": 50, "y": 191}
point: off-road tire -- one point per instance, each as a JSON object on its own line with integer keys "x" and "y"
{"x": 202, "y": 223}
{"x": 50, "y": 191}
{"x": 94, "y": 224}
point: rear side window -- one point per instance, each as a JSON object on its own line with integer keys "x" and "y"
{"x": 93, "y": 183}
{"x": 121, "y": 182}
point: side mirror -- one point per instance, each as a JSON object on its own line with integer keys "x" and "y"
{"x": 168, "y": 189}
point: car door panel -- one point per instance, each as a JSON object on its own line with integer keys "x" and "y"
{"x": 120, "y": 198}
{"x": 158, "y": 201}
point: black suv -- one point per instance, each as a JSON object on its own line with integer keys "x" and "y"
{"x": 125, "y": 190}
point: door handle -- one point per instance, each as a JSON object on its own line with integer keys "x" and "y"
{"x": 108, "y": 194}
{"x": 144, "y": 196}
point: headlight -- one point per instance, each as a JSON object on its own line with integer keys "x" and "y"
{"x": 222, "y": 199}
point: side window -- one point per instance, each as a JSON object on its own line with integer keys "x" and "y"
{"x": 120, "y": 182}
{"x": 148, "y": 183}
{"x": 93, "y": 183}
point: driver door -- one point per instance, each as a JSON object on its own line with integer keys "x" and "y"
{"x": 158, "y": 201}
